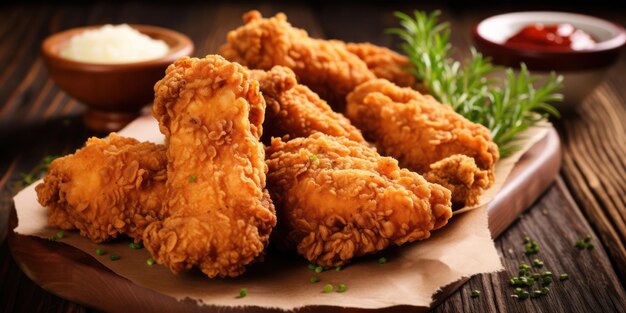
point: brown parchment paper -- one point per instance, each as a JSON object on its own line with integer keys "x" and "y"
{"x": 413, "y": 273}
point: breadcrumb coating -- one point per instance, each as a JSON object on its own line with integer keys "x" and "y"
{"x": 426, "y": 136}
{"x": 326, "y": 67}
{"x": 109, "y": 187}
{"x": 218, "y": 214}
{"x": 338, "y": 199}
{"x": 295, "y": 110}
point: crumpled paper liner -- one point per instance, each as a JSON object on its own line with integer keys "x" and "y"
{"x": 413, "y": 273}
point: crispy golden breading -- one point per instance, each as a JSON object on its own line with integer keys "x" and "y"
{"x": 338, "y": 199}
{"x": 218, "y": 214}
{"x": 425, "y": 136}
{"x": 111, "y": 186}
{"x": 295, "y": 110}
{"x": 384, "y": 63}
{"x": 326, "y": 67}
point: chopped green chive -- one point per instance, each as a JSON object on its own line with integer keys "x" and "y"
{"x": 475, "y": 293}
{"x": 150, "y": 261}
{"x": 319, "y": 269}
{"x": 192, "y": 179}
{"x": 580, "y": 244}
{"x": 563, "y": 277}
{"x": 531, "y": 247}
{"x": 536, "y": 276}
{"x": 535, "y": 294}
{"x": 547, "y": 273}
{"x": 313, "y": 157}
{"x": 342, "y": 288}
{"x": 382, "y": 260}
{"x": 518, "y": 291}
{"x": 524, "y": 266}
{"x": 114, "y": 257}
{"x": 547, "y": 280}
{"x": 545, "y": 290}
{"x": 243, "y": 292}
{"x": 314, "y": 279}
{"x": 590, "y": 246}
{"x": 99, "y": 251}
{"x": 338, "y": 268}
{"x": 328, "y": 288}
{"x": 311, "y": 266}
{"x": 52, "y": 238}
{"x": 522, "y": 272}
{"x": 537, "y": 263}
{"x": 135, "y": 246}
{"x": 526, "y": 239}
{"x": 524, "y": 295}
{"x": 60, "y": 234}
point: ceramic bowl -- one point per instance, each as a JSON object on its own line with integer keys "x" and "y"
{"x": 582, "y": 70}
{"x": 113, "y": 93}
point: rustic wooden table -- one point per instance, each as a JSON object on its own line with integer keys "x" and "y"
{"x": 588, "y": 197}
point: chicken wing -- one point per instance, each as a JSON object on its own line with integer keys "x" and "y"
{"x": 326, "y": 67}
{"x": 338, "y": 199}
{"x": 384, "y": 63}
{"x": 295, "y": 110}
{"x": 110, "y": 187}
{"x": 426, "y": 136}
{"x": 218, "y": 214}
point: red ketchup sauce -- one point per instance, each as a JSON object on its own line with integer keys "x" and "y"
{"x": 560, "y": 37}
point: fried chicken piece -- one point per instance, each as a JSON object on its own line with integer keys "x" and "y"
{"x": 110, "y": 187}
{"x": 384, "y": 63}
{"x": 326, "y": 67}
{"x": 218, "y": 215}
{"x": 338, "y": 199}
{"x": 295, "y": 110}
{"x": 427, "y": 137}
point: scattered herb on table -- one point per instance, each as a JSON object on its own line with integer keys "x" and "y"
{"x": 475, "y": 293}
{"x": 99, "y": 251}
{"x": 319, "y": 269}
{"x": 382, "y": 260}
{"x": 311, "y": 266}
{"x": 338, "y": 268}
{"x": 243, "y": 292}
{"x": 135, "y": 246}
{"x": 506, "y": 108}
{"x": 585, "y": 243}
{"x": 342, "y": 288}
{"x": 328, "y": 288}
{"x": 150, "y": 261}
{"x": 60, "y": 234}
{"x": 314, "y": 279}
{"x": 114, "y": 257}
{"x": 36, "y": 173}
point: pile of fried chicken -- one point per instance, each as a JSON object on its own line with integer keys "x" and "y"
{"x": 257, "y": 139}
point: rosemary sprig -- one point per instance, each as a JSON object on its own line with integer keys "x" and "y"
{"x": 507, "y": 106}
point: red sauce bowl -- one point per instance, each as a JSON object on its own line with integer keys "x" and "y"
{"x": 113, "y": 93}
{"x": 582, "y": 69}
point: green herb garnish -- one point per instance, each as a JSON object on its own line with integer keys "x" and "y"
{"x": 475, "y": 293}
{"x": 382, "y": 260}
{"x": 342, "y": 288}
{"x": 114, "y": 257}
{"x": 99, "y": 251}
{"x": 319, "y": 269}
{"x": 506, "y": 108}
{"x": 243, "y": 292}
{"x": 192, "y": 179}
{"x": 60, "y": 234}
{"x": 314, "y": 279}
{"x": 150, "y": 261}
{"x": 328, "y": 288}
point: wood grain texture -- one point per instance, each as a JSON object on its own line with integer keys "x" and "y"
{"x": 37, "y": 119}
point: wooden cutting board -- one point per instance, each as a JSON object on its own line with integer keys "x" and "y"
{"x": 74, "y": 275}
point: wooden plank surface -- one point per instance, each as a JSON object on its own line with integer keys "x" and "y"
{"x": 37, "y": 119}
